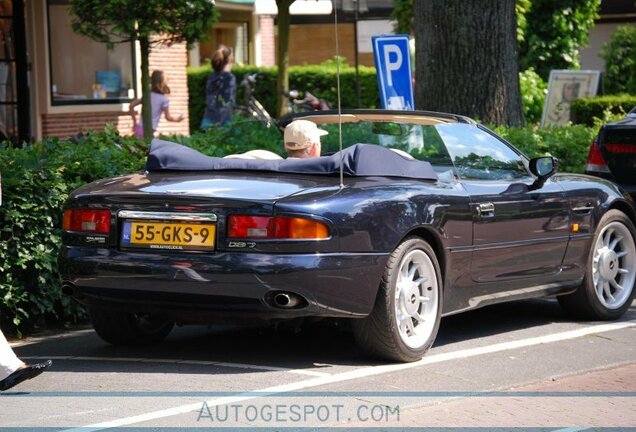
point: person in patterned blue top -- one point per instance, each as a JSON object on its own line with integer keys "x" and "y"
{"x": 220, "y": 89}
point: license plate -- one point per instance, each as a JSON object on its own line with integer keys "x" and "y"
{"x": 168, "y": 235}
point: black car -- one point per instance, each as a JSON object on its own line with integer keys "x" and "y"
{"x": 421, "y": 215}
{"x": 613, "y": 153}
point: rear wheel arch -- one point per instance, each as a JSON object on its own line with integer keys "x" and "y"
{"x": 432, "y": 238}
{"x": 625, "y": 208}
{"x": 429, "y": 236}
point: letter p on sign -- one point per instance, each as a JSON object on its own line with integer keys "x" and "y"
{"x": 393, "y": 63}
{"x": 390, "y": 65}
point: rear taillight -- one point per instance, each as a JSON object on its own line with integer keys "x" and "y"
{"x": 620, "y": 148}
{"x": 595, "y": 160}
{"x": 279, "y": 227}
{"x": 87, "y": 221}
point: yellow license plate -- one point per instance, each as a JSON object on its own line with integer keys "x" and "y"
{"x": 168, "y": 235}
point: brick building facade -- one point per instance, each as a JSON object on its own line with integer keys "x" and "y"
{"x": 55, "y": 83}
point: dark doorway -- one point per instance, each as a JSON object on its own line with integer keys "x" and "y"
{"x": 14, "y": 86}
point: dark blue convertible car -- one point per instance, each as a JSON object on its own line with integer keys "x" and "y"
{"x": 421, "y": 215}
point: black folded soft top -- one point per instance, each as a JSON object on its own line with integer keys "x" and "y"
{"x": 358, "y": 160}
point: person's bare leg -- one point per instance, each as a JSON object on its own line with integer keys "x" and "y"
{"x": 13, "y": 371}
{"x": 9, "y": 362}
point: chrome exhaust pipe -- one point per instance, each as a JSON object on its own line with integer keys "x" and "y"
{"x": 287, "y": 300}
{"x": 68, "y": 289}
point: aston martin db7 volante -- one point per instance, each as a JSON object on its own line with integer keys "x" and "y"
{"x": 421, "y": 215}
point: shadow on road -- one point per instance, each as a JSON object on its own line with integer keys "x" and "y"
{"x": 310, "y": 346}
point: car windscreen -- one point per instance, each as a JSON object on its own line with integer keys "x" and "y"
{"x": 422, "y": 142}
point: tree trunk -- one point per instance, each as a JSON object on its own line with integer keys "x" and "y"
{"x": 146, "y": 109}
{"x": 467, "y": 60}
{"x": 282, "y": 22}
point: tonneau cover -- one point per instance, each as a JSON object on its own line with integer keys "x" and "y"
{"x": 358, "y": 160}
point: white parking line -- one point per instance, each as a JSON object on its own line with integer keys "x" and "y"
{"x": 360, "y": 373}
{"x": 186, "y": 362}
{"x": 38, "y": 339}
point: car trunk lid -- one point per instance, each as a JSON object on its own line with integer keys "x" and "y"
{"x": 212, "y": 187}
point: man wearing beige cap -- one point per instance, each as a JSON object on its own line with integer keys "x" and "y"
{"x": 302, "y": 139}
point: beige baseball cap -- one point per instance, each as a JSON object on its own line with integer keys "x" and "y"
{"x": 302, "y": 134}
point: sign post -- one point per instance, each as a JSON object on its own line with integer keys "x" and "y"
{"x": 563, "y": 87}
{"x": 393, "y": 66}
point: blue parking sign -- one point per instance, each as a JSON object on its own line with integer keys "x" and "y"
{"x": 393, "y": 66}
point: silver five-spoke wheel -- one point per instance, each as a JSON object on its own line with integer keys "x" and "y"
{"x": 614, "y": 265}
{"x": 416, "y": 298}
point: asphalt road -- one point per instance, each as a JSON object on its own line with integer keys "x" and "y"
{"x": 316, "y": 377}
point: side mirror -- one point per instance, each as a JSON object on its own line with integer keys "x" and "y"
{"x": 544, "y": 168}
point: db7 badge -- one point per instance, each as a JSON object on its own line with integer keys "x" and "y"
{"x": 241, "y": 245}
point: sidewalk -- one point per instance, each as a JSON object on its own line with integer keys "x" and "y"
{"x": 599, "y": 399}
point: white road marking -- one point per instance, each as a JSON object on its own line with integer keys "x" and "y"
{"x": 179, "y": 361}
{"x": 360, "y": 373}
{"x": 34, "y": 340}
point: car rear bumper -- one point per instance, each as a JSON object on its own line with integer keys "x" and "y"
{"x": 224, "y": 286}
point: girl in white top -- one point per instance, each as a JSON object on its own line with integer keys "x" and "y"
{"x": 159, "y": 103}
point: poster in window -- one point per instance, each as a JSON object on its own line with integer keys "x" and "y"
{"x": 563, "y": 87}
{"x": 110, "y": 81}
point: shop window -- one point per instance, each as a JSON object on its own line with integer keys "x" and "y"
{"x": 88, "y": 73}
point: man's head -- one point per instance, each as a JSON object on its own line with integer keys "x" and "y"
{"x": 302, "y": 139}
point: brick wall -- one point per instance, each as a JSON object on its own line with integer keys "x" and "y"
{"x": 268, "y": 47}
{"x": 172, "y": 60}
{"x": 66, "y": 125}
{"x": 322, "y": 45}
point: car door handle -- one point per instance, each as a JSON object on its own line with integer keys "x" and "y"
{"x": 486, "y": 209}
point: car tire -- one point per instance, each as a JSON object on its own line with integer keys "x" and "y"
{"x": 126, "y": 328}
{"x": 608, "y": 287}
{"x": 405, "y": 318}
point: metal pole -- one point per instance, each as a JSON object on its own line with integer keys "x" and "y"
{"x": 357, "y": 60}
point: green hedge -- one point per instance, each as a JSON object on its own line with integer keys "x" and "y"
{"x": 570, "y": 144}
{"x": 37, "y": 179}
{"x": 319, "y": 80}
{"x": 585, "y": 110}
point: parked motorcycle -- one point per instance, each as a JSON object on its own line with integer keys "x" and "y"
{"x": 309, "y": 102}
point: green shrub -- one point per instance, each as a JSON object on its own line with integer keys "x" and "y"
{"x": 586, "y": 110}
{"x": 32, "y": 196}
{"x": 319, "y": 80}
{"x": 533, "y": 94}
{"x": 37, "y": 179}
{"x": 570, "y": 144}
{"x": 620, "y": 61}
